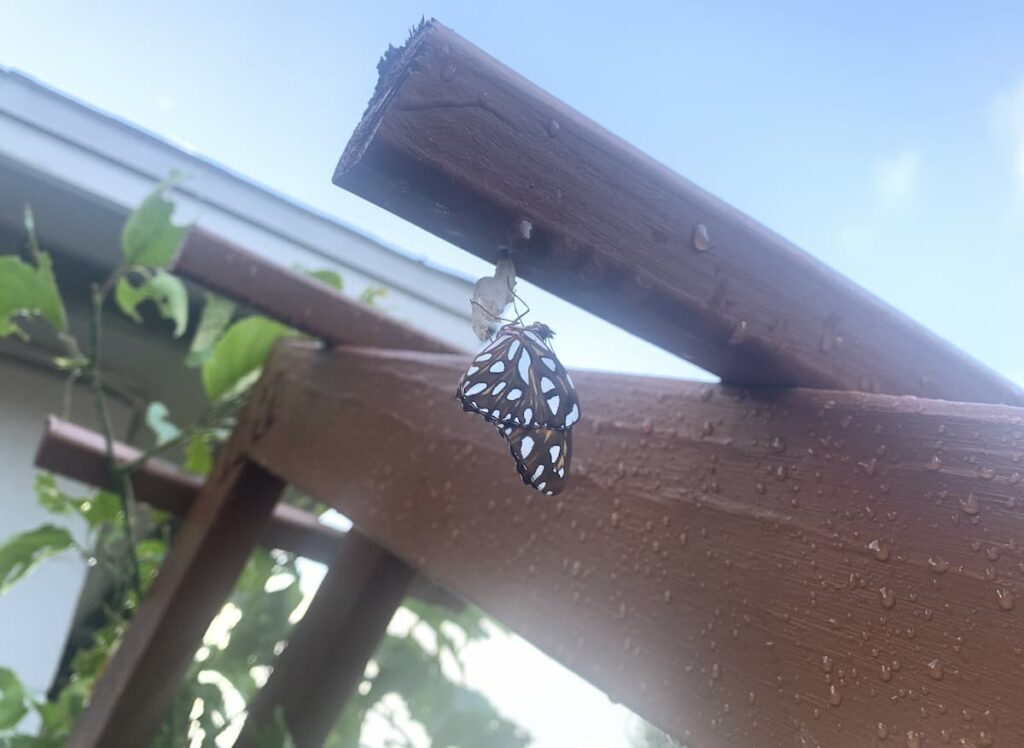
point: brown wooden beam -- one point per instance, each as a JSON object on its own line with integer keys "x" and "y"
{"x": 462, "y": 146}
{"x": 80, "y": 454}
{"x": 293, "y": 298}
{"x": 143, "y": 675}
{"x": 328, "y": 651}
{"x": 741, "y": 567}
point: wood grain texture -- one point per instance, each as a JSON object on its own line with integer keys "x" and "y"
{"x": 330, "y": 646}
{"x": 293, "y": 298}
{"x": 462, "y": 146}
{"x": 144, "y": 673}
{"x": 741, "y": 567}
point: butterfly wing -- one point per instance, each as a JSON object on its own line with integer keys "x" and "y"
{"x": 542, "y": 456}
{"x": 518, "y": 380}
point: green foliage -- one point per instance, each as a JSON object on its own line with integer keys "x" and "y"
{"x": 267, "y": 599}
{"x": 158, "y": 419}
{"x": 331, "y": 278}
{"x": 21, "y": 553}
{"x": 240, "y": 353}
{"x": 166, "y": 292}
{"x": 214, "y": 320}
{"x": 27, "y": 290}
{"x": 149, "y": 238}
{"x": 12, "y": 699}
{"x": 370, "y": 294}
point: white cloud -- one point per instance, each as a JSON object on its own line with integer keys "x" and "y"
{"x": 1008, "y": 127}
{"x": 897, "y": 177}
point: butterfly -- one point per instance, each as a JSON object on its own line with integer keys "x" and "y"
{"x": 518, "y": 380}
{"x": 517, "y": 383}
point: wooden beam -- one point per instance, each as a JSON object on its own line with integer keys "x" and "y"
{"x": 462, "y": 146}
{"x": 328, "y": 651}
{"x": 293, "y": 298}
{"x": 80, "y": 454}
{"x": 740, "y": 567}
{"x": 143, "y": 675}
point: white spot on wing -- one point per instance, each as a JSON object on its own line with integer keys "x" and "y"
{"x": 573, "y": 416}
{"x": 496, "y": 413}
{"x": 497, "y": 367}
{"x": 524, "y": 366}
{"x": 537, "y": 472}
{"x": 553, "y": 404}
{"x": 514, "y": 394}
{"x": 540, "y": 487}
{"x": 526, "y": 446}
{"x": 561, "y": 472}
{"x": 569, "y": 380}
{"x": 528, "y": 415}
{"x": 555, "y": 451}
{"x": 476, "y": 388}
{"x": 484, "y": 357}
{"x": 472, "y": 370}
{"x": 498, "y": 388}
{"x": 512, "y": 349}
{"x": 546, "y": 385}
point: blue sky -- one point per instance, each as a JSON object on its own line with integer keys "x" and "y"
{"x": 887, "y": 139}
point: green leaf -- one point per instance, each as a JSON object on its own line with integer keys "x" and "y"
{"x": 331, "y": 278}
{"x": 104, "y": 508}
{"x": 216, "y": 316}
{"x": 158, "y": 419}
{"x": 51, "y": 498}
{"x": 198, "y": 456}
{"x": 20, "y": 553}
{"x": 27, "y": 290}
{"x": 12, "y": 699}
{"x": 370, "y": 294}
{"x": 148, "y": 237}
{"x": 163, "y": 289}
{"x": 242, "y": 351}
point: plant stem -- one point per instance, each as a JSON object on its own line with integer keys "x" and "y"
{"x": 120, "y": 478}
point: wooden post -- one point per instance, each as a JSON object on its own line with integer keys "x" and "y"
{"x": 464, "y": 147}
{"x": 139, "y": 683}
{"x": 329, "y": 648}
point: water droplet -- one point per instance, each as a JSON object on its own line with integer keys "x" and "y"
{"x": 970, "y": 505}
{"x": 882, "y": 731}
{"x": 667, "y": 597}
{"x": 881, "y": 549}
{"x": 716, "y": 671}
{"x": 938, "y": 565}
{"x": 913, "y": 739}
{"x": 707, "y": 429}
{"x": 615, "y": 519}
{"x": 739, "y": 333}
{"x": 448, "y": 72}
{"x": 886, "y": 673}
{"x": 888, "y": 597}
{"x": 986, "y": 473}
{"x": 778, "y": 445}
{"x": 835, "y": 696}
{"x": 1005, "y": 597}
{"x": 826, "y": 664}
{"x": 553, "y": 128}
{"x": 682, "y": 538}
{"x": 701, "y": 239}
{"x": 935, "y": 671}
{"x": 935, "y": 463}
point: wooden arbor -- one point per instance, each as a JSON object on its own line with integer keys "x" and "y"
{"x": 811, "y": 554}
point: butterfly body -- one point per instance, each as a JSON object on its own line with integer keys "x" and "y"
{"x": 518, "y": 384}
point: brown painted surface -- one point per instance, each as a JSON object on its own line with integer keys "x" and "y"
{"x": 138, "y": 685}
{"x": 790, "y": 568}
{"x": 328, "y": 650}
{"x": 293, "y": 298}
{"x": 464, "y": 147}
